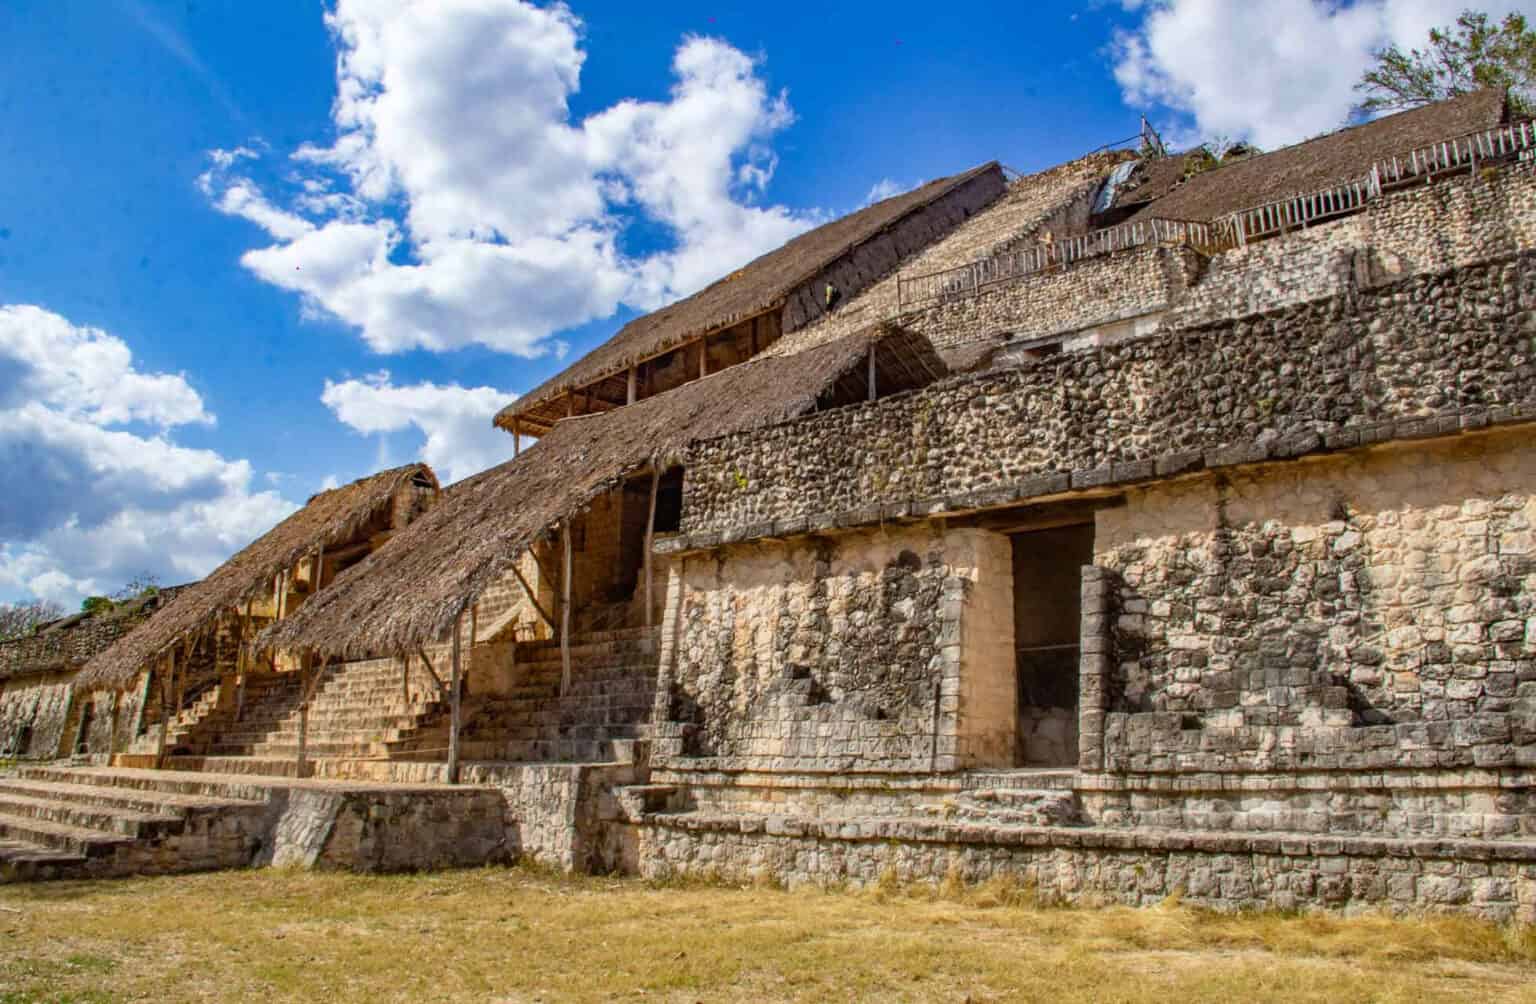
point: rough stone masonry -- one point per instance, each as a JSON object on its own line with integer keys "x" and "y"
{"x": 1305, "y": 639}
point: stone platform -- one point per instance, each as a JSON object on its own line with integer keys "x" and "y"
{"x": 74, "y": 822}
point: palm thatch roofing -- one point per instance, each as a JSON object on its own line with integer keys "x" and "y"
{"x": 752, "y": 289}
{"x": 329, "y": 519}
{"x": 68, "y": 643}
{"x": 1160, "y": 188}
{"x": 409, "y": 592}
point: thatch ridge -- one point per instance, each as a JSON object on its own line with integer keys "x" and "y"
{"x": 409, "y": 592}
{"x": 330, "y": 517}
{"x": 751, "y": 289}
{"x": 1309, "y": 165}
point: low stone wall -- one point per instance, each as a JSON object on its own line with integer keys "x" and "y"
{"x": 384, "y": 829}
{"x": 1139, "y": 868}
{"x": 562, "y": 815}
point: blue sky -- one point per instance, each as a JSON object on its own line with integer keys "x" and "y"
{"x": 216, "y": 238}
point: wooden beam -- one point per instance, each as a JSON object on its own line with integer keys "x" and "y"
{"x": 871, "y": 381}
{"x": 565, "y": 612}
{"x": 405, "y": 679}
{"x": 532, "y": 597}
{"x": 453, "y": 703}
{"x": 650, "y": 539}
{"x": 632, "y": 382}
{"x": 517, "y": 438}
{"x": 704, "y": 357}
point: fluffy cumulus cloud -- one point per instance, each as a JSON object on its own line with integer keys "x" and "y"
{"x": 102, "y": 493}
{"x": 459, "y": 201}
{"x": 1272, "y": 73}
{"x": 456, "y": 421}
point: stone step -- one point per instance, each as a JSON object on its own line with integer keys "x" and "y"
{"x": 23, "y": 861}
{"x": 1037, "y": 807}
{"x": 106, "y": 819}
{"x": 60, "y": 836}
{"x": 146, "y": 781}
{"x": 133, "y": 799}
{"x": 290, "y": 751}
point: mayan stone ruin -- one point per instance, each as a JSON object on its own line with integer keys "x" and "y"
{"x": 1130, "y": 529}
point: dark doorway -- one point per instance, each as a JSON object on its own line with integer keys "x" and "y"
{"x": 83, "y": 733}
{"x": 1047, "y": 614}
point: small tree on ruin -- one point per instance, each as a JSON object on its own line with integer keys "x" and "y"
{"x": 1474, "y": 54}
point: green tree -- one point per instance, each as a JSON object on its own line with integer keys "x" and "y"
{"x": 1476, "y": 53}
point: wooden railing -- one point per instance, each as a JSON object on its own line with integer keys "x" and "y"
{"x": 967, "y": 280}
{"x": 1516, "y": 140}
{"x": 1462, "y": 153}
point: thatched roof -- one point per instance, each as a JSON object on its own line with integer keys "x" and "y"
{"x": 409, "y": 592}
{"x": 330, "y": 518}
{"x": 68, "y": 643}
{"x": 750, "y": 290}
{"x": 1307, "y": 166}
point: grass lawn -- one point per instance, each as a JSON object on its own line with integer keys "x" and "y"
{"x": 520, "y": 935}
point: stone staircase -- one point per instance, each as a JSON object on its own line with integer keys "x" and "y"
{"x": 604, "y": 717}
{"x": 358, "y": 710}
{"x": 63, "y": 823}
{"x": 1021, "y": 798}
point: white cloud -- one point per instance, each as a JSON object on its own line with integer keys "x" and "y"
{"x": 456, "y": 421}
{"x": 460, "y": 204}
{"x": 885, "y": 188}
{"x": 101, "y": 492}
{"x": 1272, "y": 73}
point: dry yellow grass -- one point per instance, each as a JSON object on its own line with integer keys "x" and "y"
{"x": 519, "y": 935}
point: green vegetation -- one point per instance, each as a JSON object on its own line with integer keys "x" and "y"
{"x": 524, "y": 935}
{"x": 1474, "y": 54}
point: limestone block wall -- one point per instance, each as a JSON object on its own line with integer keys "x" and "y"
{"x": 1216, "y": 870}
{"x": 1089, "y": 293}
{"x": 1426, "y": 229}
{"x": 1444, "y": 350}
{"x": 34, "y": 711}
{"x": 840, "y": 655}
{"x": 1370, "y": 610}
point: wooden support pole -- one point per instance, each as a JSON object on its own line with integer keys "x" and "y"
{"x": 704, "y": 357}
{"x": 871, "y": 371}
{"x": 246, "y": 657}
{"x": 633, "y": 381}
{"x": 303, "y": 718}
{"x": 453, "y": 704}
{"x": 181, "y": 678}
{"x": 565, "y": 612}
{"x": 517, "y": 438}
{"x": 165, "y": 707}
{"x": 650, "y": 539}
{"x": 532, "y": 597}
{"x": 405, "y": 680}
